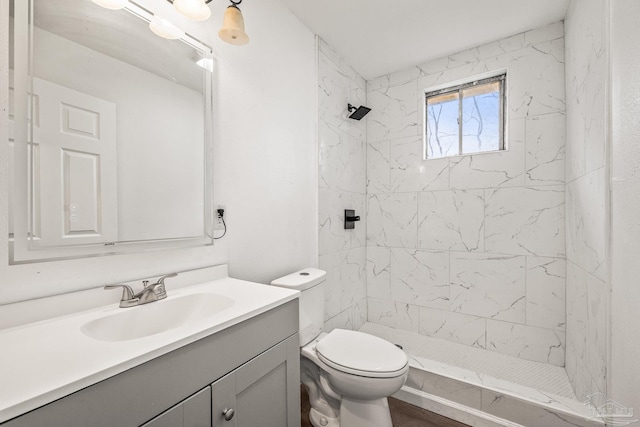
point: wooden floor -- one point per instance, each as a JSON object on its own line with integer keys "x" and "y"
{"x": 402, "y": 414}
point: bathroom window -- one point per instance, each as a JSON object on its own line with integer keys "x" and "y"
{"x": 465, "y": 119}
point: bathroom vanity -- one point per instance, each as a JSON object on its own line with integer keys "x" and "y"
{"x": 236, "y": 366}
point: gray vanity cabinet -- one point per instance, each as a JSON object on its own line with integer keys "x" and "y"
{"x": 193, "y": 412}
{"x": 264, "y": 392}
{"x": 252, "y": 367}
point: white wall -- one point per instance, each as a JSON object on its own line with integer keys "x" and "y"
{"x": 265, "y": 163}
{"x": 471, "y": 248}
{"x": 624, "y": 378}
{"x": 587, "y": 195}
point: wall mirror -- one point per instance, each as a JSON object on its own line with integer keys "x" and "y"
{"x": 109, "y": 133}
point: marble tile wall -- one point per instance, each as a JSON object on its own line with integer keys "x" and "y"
{"x": 587, "y": 198}
{"x": 342, "y": 185}
{"x": 472, "y": 249}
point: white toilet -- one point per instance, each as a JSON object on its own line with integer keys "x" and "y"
{"x": 348, "y": 374}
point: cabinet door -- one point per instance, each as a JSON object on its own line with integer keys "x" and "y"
{"x": 193, "y": 412}
{"x": 263, "y": 392}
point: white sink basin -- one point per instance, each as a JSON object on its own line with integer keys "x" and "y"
{"x": 156, "y": 317}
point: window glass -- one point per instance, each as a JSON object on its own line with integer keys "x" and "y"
{"x": 465, "y": 119}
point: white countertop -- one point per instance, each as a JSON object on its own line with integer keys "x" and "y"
{"x": 44, "y": 361}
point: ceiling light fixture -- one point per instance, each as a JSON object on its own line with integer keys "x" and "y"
{"x": 232, "y": 30}
{"x": 165, "y": 29}
{"x": 196, "y": 10}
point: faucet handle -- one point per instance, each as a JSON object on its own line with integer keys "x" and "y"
{"x": 166, "y": 276}
{"x": 128, "y": 297}
{"x": 159, "y": 288}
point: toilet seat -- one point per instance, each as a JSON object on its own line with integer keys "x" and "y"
{"x": 361, "y": 354}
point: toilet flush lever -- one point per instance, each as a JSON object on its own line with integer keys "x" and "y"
{"x": 350, "y": 218}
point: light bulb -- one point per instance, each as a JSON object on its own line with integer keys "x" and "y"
{"x": 165, "y": 29}
{"x": 196, "y": 10}
{"x": 111, "y": 4}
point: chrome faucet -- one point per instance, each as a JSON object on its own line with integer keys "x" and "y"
{"x": 150, "y": 293}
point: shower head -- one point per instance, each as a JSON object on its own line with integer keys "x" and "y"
{"x": 359, "y": 112}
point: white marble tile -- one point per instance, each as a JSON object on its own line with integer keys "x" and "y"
{"x": 446, "y": 388}
{"x": 546, "y": 292}
{"x": 545, "y": 149}
{"x": 345, "y": 284}
{"x": 420, "y": 277}
{"x": 596, "y": 113}
{"x": 478, "y": 54}
{"x": 483, "y": 368}
{"x": 433, "y": 67}
{"x": 523, "y": 413}
{"x": 575, "y": 162}
{"x": 586, "y": 216}
{"x": 397, "y": 166}
{"x": 527, "y": 221}
{"x": 359, "y": 315}
{"x": 405, "y": 161}
{"x": 561, "y": 402}
{"x": 498, "y": 169}
{"x": 394, "y": 79}
{"x": 434, "y": 175}
{"x": 491, "y": 286}
{"x": 586, "y": 43}
{"x": 587, "y": 70}
{"x": 455, "y": 327}
{"x": 576, "y": 327}
{"x": 339, "y": 85}
{"x": 544, "y": 34}
{"x": 332, "y": 235}
{"x": 342, "y": 161}
{"x": 378, "y": 167}
{"x": 582, "y": 383}
{"x": 451, "y": 220}
{"x": 587, "y": 302}
{"x": 451, "y": 74}
{"x": 526, "y": 342}
{"x": 536, "y": 80}
{"x": 378, "y": 272}
{"x": 353, "y": 277}
{"x": 394, "y": 112}
{"x": 332, "y": 288}
{"x": 325, "y": 49}
{"x": 570, "y": 363}
{"x": 391, "y": 220}
{"x": 341, "y": 320}
{"x": 393, "y": 314}
{"x": 596, "y": 338}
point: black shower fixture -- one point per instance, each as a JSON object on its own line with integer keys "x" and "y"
{"x": 359, "y": 112}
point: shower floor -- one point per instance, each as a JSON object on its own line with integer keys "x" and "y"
{"x": 484, "y": 382}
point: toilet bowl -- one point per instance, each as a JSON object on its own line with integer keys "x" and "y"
{"x": 348, "y": 374}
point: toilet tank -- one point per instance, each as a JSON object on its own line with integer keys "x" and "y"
{"x": 310, "y": 283}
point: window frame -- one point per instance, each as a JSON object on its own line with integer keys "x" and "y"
{"x": 459, "y": 86}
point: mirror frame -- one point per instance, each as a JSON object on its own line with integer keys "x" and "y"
{"x": 21, "y": 251}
